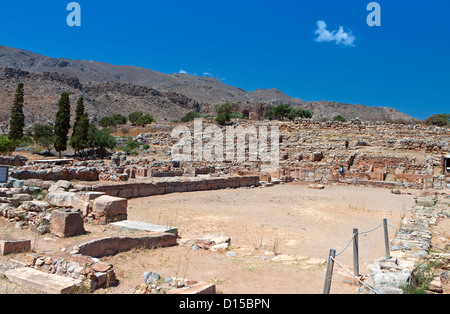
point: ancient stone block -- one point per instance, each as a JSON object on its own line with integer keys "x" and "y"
{"x": 14, "y": 246}
{"x": 65, "y": 223}
{"x": 111, "y": 208}
{"x": 84, "y": 201}
{"x": 61, "y": 199}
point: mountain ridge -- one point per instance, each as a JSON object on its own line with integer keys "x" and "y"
{"x": 199, "y": 93}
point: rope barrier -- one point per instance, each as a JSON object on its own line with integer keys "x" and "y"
{"x": 351, "y": 240}
{"x": 349, "y": 272}
{"x": 393, "y": 227}
{"x": 364, "y": 232}
{"x": 354, "y": 239}
{"x": 370, "y": 230}
{"x": 440, "y": 248}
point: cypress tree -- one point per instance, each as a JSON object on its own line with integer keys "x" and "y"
{"x": 17, "y": 122}
{"x": 79, "y": 140}
{"x": 62, "y": 124}
{"x": 79, "y": 111}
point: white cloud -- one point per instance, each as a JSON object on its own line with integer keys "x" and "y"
{"x": 206, "y": 73}
{"x": 339, "y": 37}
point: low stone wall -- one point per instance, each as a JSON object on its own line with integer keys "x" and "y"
{"x": 58, "y": 173}
{"x": 113, "y": 245}
{"x": 15, "y": 161}
{"x": 93, "y": 273}
{"x": 409, "y": 248}
{"x": 144, "y": 189}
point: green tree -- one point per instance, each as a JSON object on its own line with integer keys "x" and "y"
{"x": 223, "y": 114}
{"x": 340, "y": 118}
{"x": 145, "y": 119}
{"x": 191, "y": 116}
{"x": 441, "y": 119}
{"x": 284, "y": 111}
{"x": 236, "y": 115}
{"x": 106, "y": 122}
{"x": 101, "y": 139}
{"x": 129, "y": 146}
{"x": 133, "y": 117}
{"x": 17, "y": 122}
{"x": 79, "y": 111}
{"x": 119, "y": 119}
{"x": 79, "y": 139}
{"x": 62, "y": 124}
{"x": 7, "y": 145}
{"x": 43, "y": 135}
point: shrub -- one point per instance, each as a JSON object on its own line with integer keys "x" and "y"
{"x": 119, "y": 119}
{"x": 133, "y": 117}
{"x": 442, "y": 119}
{"x": 7, "y": 146}
{"x": 106, "y": 122}
{"x": 236, "y": 115}
{"x": 191, "y": 116}
{"x": 223, "y": 114}
{"x": 129, "y": 146}
{"x": 145, "y": 119}
{"x": 284, "y": 111}
{"x": 340, "y": 118}
{"x": 43, "y": 135}
{"x": 101, "y": 139}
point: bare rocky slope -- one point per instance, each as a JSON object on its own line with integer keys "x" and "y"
{"x": 110, "y": 89}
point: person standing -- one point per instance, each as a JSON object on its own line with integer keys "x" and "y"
{"x": 342, "y": 171}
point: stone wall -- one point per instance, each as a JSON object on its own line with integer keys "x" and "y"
{"x": 93, "y": 273}
{"x": 143, "y": 189}
{"x": 15, "y": 161}
{"x": 113, "y": 245}
{"x": 57, "y": 173}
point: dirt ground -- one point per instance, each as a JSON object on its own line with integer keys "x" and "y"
{"x": 287, "y": 220}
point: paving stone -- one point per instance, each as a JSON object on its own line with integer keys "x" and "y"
{"x": 143, "y": 226}
{"x": 35, "y": 279}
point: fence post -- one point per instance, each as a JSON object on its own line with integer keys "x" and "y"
{"x": 386, "y": 239}
{"x": 355, "y": 253}
{"x": 327, "y": 286}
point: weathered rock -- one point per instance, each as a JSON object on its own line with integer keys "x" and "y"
{"x": 151, "y": 277}
{"x": 84, "y": 201}
{"x": 66, "y": 224}
{"x": 23, "y": 197}
{"x": 34, "y": 206}
{"x": 110, "y": 208}
{"x": 52, "y": 284}
{"x": 14, "y": 246}
{"x": 61, "y": 199}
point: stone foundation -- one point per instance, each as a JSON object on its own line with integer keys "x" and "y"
{"x": 144, "y": 189}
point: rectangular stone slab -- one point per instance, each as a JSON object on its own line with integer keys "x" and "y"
{"x": 8, "y": 246}
{"x": 35, "y": 279}
{"x": 143, "y": 226}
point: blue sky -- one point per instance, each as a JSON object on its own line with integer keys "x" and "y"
{"x": 254, "y": 44}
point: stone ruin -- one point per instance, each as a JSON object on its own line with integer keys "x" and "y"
{"x": 60, "y": 199}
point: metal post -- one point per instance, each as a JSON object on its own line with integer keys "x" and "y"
{"x": 327, "y": 287}
{"x": 386, "y": 239}
{"x": 355, "y": 253}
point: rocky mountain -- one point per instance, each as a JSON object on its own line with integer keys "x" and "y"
{"x": 109, "y": 89}
{"x": 326, "y": 110}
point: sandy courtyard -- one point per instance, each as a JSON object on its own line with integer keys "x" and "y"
{"x": 285, "y": 219}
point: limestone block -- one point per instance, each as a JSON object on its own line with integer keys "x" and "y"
{"x": 110, "y": 207}
{"x": 65, "y": 223}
